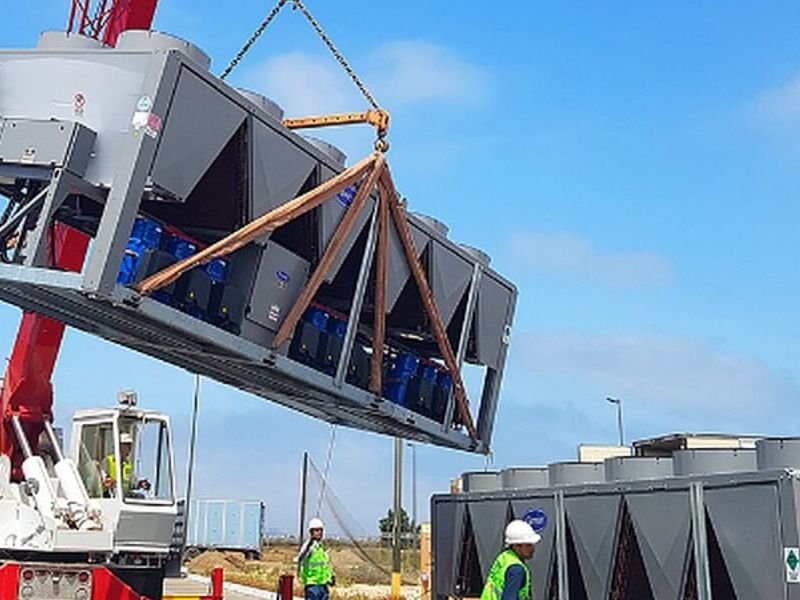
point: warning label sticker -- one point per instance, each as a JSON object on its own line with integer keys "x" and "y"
{"x": 791, "y": 559}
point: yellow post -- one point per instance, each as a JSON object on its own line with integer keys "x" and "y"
{"x": 425, "y": 562}
{"x": 395, "y": 586}
{"x": 398, "y": 507}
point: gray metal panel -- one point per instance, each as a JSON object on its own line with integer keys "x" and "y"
{"x": 493, "y": 316}
{"x": 745, "y": 521}
{"x": 489, "y": 519}
{"x": 593, "y": 523}
{"x": 789, "y": 498}
{"x": 776, "y": 453}
{"x": 481, "y": 481}
{"x": 199, "y": 123}
{"x": 624, "y": 468}
{"x": 459, "y": 524}
{"x": 109, "y": 82}
{"x": 450, "y": 275}
{"x": 281, "y": 278}
{"x": 155, "y": 41}
{"x": 279, "y": 169}
{"x": 661, "y": 523}
{"x": 543, "y": 559}
{"x": 570, "y": 473}
{"x": 517, "y": 478}
{"x": 155, "y": 530}
{"x": 330, "y": 215}
{"x": 494, "y": 376}
{"x": 705, "y": 461}
{"x": 47, "y": 143}
{"x": 397, "y": 267}
{"x": 444, "y": 545}
{"x": 135, "y": 155}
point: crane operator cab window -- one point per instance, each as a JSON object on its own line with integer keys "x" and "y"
{"x": 138, "y": 469}
{"x": 97, "y": 443}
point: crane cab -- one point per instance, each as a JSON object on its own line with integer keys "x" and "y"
{"x": 125, "y": 461}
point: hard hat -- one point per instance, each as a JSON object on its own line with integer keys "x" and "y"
{"x": 316, "y": 523}
{"x": 519, "y": 532}
{"x": 125, "y": 438}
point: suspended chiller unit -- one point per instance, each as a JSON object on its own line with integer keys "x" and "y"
{"x": 225, "y": 243}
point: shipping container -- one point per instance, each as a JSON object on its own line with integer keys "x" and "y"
{"x": 225, "y": 524}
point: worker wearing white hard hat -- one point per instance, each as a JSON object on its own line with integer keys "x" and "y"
{"x": 110, "y": 465}
{"x": 509, "y": 578}
{"x": 316, "y": 571}
{"x": 131, "y": 485}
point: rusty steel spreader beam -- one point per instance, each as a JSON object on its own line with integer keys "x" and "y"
{"x": 261, "y": 226}
{"x": 379, "y": 333}
{"x": 399, "y": 218}
{"x": 331, "y": 252}
{"x": 371, "y": 173}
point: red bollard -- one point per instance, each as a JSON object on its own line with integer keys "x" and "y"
{"x": 286, "y": 587}
{"x": 216, "y": 584}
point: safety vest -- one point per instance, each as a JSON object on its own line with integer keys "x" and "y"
{"x": 495, "y": 582}
{"x": 127, "y": 468}
{"x": 316, "y": 567}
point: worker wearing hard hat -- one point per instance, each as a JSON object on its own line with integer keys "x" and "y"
{"x": 110, "y": 467}
{"x": 316, "y": 572}
{"x": 509, "y": 578}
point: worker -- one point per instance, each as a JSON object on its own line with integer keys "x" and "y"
{"x": 316, "y": 572}
{"x": 110, "y": 466}
{"x": 509, "y": 578}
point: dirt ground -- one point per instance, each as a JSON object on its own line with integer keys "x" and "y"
{"x": 356, "y": 578}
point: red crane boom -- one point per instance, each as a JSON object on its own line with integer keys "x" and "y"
{"x": 105, "y": 20}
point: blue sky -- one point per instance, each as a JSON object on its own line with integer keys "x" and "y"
{"x": 633, "y": 167}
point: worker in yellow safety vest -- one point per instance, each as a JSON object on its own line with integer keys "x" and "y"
{"x": 110, "y": 481}
{"x": 509, "y": 578}
{"x": 316, "y": 572}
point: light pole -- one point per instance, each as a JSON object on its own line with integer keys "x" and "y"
{"x": 414, "y": 491}
{"x": 187, "y": 503}
{"x": 618, "y": 402}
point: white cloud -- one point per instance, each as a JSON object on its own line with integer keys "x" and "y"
{"x": 401, "y": 73}
{"x": 780, "y": 104}
{"x": 415, "y": 72}
{"x": 659, "y": 371}
{"x": 571, "y": 255}
{"x": 304, "y": 84}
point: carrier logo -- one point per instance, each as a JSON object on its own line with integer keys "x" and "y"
{"x": 536, "y": 518}
{"x": 345, "y": 197}
{"x": 283, "y": 278}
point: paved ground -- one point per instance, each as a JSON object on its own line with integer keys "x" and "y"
{"x": 194, "y": 585}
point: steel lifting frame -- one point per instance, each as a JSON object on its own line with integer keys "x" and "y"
{"x": 370, "y": 174}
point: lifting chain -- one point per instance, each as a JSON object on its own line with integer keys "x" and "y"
{"x": 253, "y": 39}
{"x": 298, "y": 4}
{"x": 380, "y": 144}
